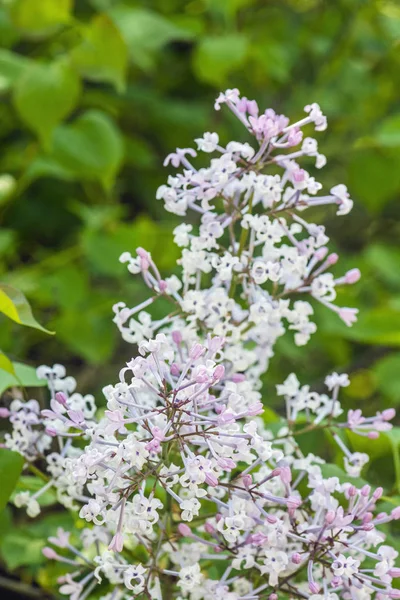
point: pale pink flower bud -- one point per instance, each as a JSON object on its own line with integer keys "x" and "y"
{"x": 184, "y": 530}
{"x": 196, "y": 351}
{"x": 373, "y": 435}
{"x": 209, "y": 528}
{"x": 394, "y": 593}
{"x": 352, "y": 491}
{"x": 388, "y": 414}
{"x": 285, "y": 474}
{"x": 238, "y": 378}
{"x": 144, "y": 258}
{"x": 247, "y": 480}
{"x": 162, "y": 285}
{"x": 4, "y": 413}
{"x": 49, "y": 553}
{"x": 211, "y": 479}
{"x": 333, "y": 258}
{"x": 61, "y": 398}
{"x": 273, "y": 596}
{"x": 51, "y": 431}
{"x": 330, "y": 517}
{"x": 377, "y": 493}
{"x": 394, "y": 572}
{"x": 255, "y": 409}
{"x": 365, "y": 491}
{"x": 321, "y": 253}
{"x": 314, "y": 587}
{"x": 352, "y": 276}
{"x": 117, "y": 543}
{"x": 177, "y": 337}
{"x": 367, "y": 518}
{"x": 296, "y": 558}
{"x": 218, "y": 374}
{"x": 395, "y": 514}
{"x": 175, "y": 370}
{"x": 271, "y": 519}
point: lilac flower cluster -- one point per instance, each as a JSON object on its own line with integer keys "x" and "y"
{"x": 183, "y": 488}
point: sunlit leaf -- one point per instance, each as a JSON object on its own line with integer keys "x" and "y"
{"x": 6, "y": 364}
{"x": 15, "y": 306}
{"x": 37, "y": 18}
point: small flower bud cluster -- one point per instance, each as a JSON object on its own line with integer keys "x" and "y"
{"x": 183, "y": 489}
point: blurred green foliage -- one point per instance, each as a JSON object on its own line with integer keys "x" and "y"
{"x": 96, "y": 92}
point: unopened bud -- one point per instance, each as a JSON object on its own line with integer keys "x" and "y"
{"x": 177, "y": 337}
{"x": 61, "y": 398}
{"x": 330, "y": 517}
{"x": 296, "y": 558}
{"x": 196, "y": 351}
{"x": 209, "y": 528}
{"x": 184, "y": 530}
{"x": 365, "y": 491}
{"x": 333, "y": 258}
{"x": 377, "y": 493}
{"x": 352, "y": 276}
{"x": 175, "y": 370}
{"x": 388, "y": 414}
{"x": 49, "y": 553}
{"x": 395, "y": 514}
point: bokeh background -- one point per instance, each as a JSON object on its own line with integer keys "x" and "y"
{"x": 95, "y": 93}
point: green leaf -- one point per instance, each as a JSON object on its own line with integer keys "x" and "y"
{"x": 6, "y": 364}
{"x": 25, "y": 376}
{"x": 330, "y": 470}
{"x": 11, "y": 464}
{"x": 216, "y": 57}
{"x": 40, "y": 18}
{"x": 102, "y": 61}
{"x": 384, "y": 260}
{"x": 378, "y": 326}
{"x": 389, "y": 132}
{"x": 44, "y": 96}
{"x": 15, "y": 306}
{"x": 19, "y": 549}
{"x": 386, "y": 372}
{"x": 374, "y": 177}
{"x": 145, "y": 32}
{"x": 91, "y": 148}
{"x": 12, "y": 66}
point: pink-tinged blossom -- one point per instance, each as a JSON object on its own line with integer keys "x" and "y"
{"x": 187, "y": 467}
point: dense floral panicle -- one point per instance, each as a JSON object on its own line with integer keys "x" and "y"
{"x": 182, "y": 470}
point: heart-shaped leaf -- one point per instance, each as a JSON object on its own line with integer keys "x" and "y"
{"x": 90, "y": 148}
{"x": 44, "y": 95}
{"x": 102, "y": 61}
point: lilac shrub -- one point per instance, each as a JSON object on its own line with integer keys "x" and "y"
{"x": 183, "y": 487}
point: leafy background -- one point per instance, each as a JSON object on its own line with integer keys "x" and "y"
{"x": 94, "y": 94}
